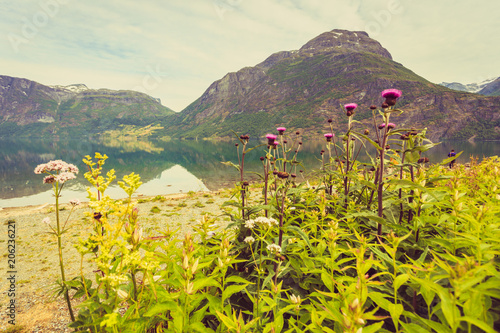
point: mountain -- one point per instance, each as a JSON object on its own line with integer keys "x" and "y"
{"x": 301, "y": 89}
{"x": 492, "y": 88}
{"x": 28, "y": 108}
{"x": 473, "y": 87}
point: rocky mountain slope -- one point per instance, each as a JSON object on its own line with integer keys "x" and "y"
{"x": 302, "y": 89}
{"x": 28, "y": 108}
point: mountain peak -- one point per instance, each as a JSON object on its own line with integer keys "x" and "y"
{"x": 339, "y": 40}
{"x": 336, "y": 40}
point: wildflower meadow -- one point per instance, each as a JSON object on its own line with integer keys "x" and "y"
{"x": 396, "y": 243}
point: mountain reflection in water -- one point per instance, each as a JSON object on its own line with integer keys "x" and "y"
{"x": 164, "y": 167}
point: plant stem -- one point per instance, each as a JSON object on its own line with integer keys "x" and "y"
{"x": 59, "y": 245}
{"x": 401, "y": 211}
{"x": 243, "y": 190}
{"x": 410, "y": 200}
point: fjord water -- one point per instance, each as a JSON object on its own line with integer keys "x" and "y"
{"x": 164, "y": 167}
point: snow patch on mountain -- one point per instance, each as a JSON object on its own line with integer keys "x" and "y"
{"x": 470, "y": 87}
{"x": 75, "y": 88}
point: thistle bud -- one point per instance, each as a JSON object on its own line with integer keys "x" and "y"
{"x": 137, "y": 236}
{"x": 354, "y": 305}
{"x": 195, "y": 266}
{"x": 185, "y": 263}
{"x": 189, "y": 288}
{"x": 122, "y": 294}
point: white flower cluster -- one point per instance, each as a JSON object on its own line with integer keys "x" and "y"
{"x": 46, "y": 220}
{"x": 74, "y": 202}
{"x": 249, "y": 240}
{"x": 273, "y": 248}
{"x": 64, "y": 177}
{"x": 250, "y": 224}
{"x": 57, "y": 165}
{"x": 262, "y": 222}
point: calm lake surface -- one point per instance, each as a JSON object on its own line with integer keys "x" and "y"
{"x": 164, "y": 167}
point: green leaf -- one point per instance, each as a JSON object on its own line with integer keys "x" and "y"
{"x": 215, "y": 303}
{"x": 301, "y": 234}
{"x": 229, "y": 163}
{"x": 162, "y": 308}
{"x": 233, "y": 289}
{"x": 413, "y": 328}
{"x": 405, "y": 183}
{"x": 199, "y": 315}
{"x": 328, "y": 281}
{"x": 427, "y": 294}
{"x": 379, "y": 300}
{"x": 426, "y": 147}
{"x": 368, "y": 215}
{"x": 249, "y": 150}
{"x": 436, "y": 326}
{"x": 373, "y": 143}
{"x": 205, "y": 282}
{"x": 199, "y": 327}
{"x": 373, "y": 328}
{"x": 481, "y": 324}
{"x": 450, "y": 312}
{"x": 278, "y": 324}
{"x": 237, "y": 279}
{"x": 226, "y": 320}
{"x": 395, "y": 310}
{"x": 473, "y": 307}
{"x": 400, "y": 280}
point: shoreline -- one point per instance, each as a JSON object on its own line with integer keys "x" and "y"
{"x": 32, "y": 209}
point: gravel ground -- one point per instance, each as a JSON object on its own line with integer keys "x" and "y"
{"x": 37, "y": 264}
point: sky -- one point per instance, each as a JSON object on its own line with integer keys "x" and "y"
{"x": 174, "y": 49}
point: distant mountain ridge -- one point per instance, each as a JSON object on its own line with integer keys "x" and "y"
{"x": 298, "y": 89}
{"x": 301, "y": 89}
{"x": 489, "y": 87}
{"x": 28, "y": 108}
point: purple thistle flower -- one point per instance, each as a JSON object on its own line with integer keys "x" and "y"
{"x": 391, "y": 125}
{"x": 329, "y": 136}
{"x": 281, "y": 130}
{"x": 391, "y": 93}
{"x": 270, "y": 138}
{"x": 381, "y": 126}
{"x": 350, "y": 106}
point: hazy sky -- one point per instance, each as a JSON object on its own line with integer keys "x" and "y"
{"x": 174, "y": 49}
